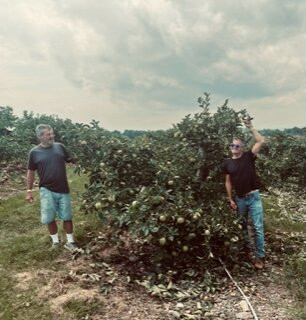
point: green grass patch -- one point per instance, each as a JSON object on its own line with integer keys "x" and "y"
{"x": 24, "y": 246}
{"x": 81, "y": 309}
{"x": 24, "y": 251}
{"x": 15, "y": 305}
{"x": 276, "y": 221}
{"x": 17, "y": 216}
{"x": 296, "y": 269}
{"x": 293, "y": 243}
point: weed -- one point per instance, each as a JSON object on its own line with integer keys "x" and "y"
{"x": 82, "y": 309}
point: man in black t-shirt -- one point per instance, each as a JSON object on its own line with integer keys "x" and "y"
{"x": 49, "y": 160}
{"x": 240, "y": 176}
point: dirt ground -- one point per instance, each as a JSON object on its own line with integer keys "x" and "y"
{"x": 96, "y": 285}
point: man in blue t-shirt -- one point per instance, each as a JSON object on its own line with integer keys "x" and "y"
{"x": 49, "y": 160}
{"x": 240, "y": 176}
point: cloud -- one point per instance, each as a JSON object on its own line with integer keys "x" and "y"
{"x": 150, "y": 59}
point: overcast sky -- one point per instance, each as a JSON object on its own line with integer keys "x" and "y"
{"x": 142, "y": 64}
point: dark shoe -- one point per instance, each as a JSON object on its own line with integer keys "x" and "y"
{"x": 248, "y": 253}
{"x": 259, "y": 263}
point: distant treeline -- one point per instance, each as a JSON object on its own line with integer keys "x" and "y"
{"x": 8, "y": 121}
{"x": 295, "y": 131}
{"x": 132, "y": 134}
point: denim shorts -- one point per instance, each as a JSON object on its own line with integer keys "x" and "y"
{"x": 54, "y": 205}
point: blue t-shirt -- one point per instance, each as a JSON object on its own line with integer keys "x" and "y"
{"x": 50, "y": 164}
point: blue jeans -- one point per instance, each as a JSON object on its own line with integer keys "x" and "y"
{"x": 251, "y": 204}
{"x": 53, "y": 204}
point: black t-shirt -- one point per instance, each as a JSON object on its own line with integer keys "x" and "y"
{"x": 50, "y": 164}
{"x": 242, "y": 173}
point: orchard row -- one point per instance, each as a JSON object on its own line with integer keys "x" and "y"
{"x": 165, "y": 187}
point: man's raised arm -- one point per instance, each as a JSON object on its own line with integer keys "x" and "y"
{"x": 260, "y": 141}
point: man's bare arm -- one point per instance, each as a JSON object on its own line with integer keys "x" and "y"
{"x": 260, "y": 141}
{"x": 229, "y": 190}
{"x": 30, "y": 182}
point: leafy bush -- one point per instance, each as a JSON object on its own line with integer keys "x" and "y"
{"x": 283, "y": 161}
{"x": 167, "y": 187}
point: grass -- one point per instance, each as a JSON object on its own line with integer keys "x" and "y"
{"x": 273, "y": 220}
{"x": 80, "y": 309}
{"x": 24, "y": 245}
{"x": 294, "y": 244}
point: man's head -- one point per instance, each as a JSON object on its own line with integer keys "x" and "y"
{"x": 45, "y": 134}
{"x": 237, "y": 147}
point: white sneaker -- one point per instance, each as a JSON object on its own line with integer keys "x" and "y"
{"x": 55, "y": 246}
{"x": 70, "y": 246}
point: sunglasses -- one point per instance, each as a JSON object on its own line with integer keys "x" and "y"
{"x": 237, "y": 146}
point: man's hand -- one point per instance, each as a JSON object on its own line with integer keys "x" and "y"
{"x": 233, "y": 205}
{"x": 29, "y": 196}
{"x": 248, "y": 122}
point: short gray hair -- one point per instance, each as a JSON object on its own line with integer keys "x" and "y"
{"x": 40, "y": 128}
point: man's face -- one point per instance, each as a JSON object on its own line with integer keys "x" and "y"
{"x": 236, "y": 147}
{"x": 47, "y": 137}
